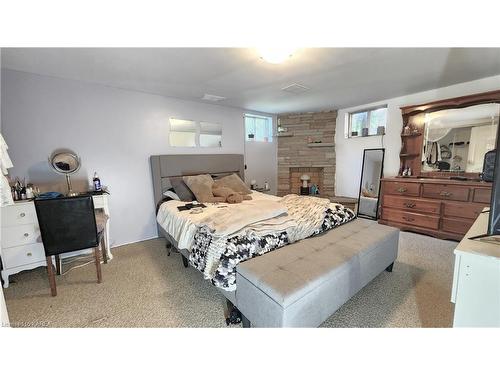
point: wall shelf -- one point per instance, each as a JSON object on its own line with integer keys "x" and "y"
{"x": 320, "y": 144}
{"x": 284, "y": 134}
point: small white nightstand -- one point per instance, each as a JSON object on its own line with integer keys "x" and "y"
{"x": 22, "y": 247}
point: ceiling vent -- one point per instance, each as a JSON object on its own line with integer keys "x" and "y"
{"x": 213, "y": 98}
{"x": 295, "y": 88}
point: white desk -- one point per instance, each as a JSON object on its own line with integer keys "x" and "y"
{"x": 476, "y": 280}
{"x": 22, "y": 247}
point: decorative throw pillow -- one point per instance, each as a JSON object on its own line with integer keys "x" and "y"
{"x": 235, "y": 183}
{"x": 201, "y": 186}
{"x": 181, "y": 189}
{"x": 170, "y": 193}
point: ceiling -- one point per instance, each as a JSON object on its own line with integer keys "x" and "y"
{"x": 336, "y": 77}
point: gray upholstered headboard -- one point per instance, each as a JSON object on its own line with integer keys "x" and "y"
{"x": 165, "y": 166}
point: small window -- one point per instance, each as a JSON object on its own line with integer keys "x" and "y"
{"x": 258, "y": 128}
{"x": 368, "y": 122}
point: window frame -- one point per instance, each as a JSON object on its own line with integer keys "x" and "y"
{"x": 267, "y": 118}
{"x": 368, "y": 117}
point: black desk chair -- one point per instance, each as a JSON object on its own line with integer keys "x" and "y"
{"x": 69, "y": 224}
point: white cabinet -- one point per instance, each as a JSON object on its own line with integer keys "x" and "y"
{"x": 22, "y": 247}
{"x": 476, "y": 280}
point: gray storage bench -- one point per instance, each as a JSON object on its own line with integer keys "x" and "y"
{"x": 302, "y": 284}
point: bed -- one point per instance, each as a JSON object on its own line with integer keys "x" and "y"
{"x": 181, "y": 228}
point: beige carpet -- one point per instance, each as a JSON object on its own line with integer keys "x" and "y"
{"x": 143, "y": 287}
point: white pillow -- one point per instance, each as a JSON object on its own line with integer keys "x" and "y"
{"x": 171, "y": 194}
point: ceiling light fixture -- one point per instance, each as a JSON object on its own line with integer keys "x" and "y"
{"x": 213, "y": 98}
{"x": 276, "y": 55}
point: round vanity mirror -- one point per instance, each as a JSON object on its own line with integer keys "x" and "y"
{"x": 65, "y": 162}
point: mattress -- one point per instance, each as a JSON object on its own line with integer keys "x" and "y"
{"x": 181, "y": 226}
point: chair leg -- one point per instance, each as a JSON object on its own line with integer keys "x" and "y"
{"x": 58, "y": 264}
{"x": 103, "y": 250}
{"x": 98, "y": 264}
{"x": 52, "y": 277}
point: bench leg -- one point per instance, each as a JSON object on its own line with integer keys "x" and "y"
{"x": 389, "y": 268}
{"x": 185, "y": 261}
{"x": 245, "y": 322}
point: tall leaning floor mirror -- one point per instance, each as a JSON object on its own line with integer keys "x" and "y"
{"x": 369, "y": 187}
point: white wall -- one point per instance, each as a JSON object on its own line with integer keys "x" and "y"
{"x": 262, "y": 162}
{"x": 113, "y": 130}
{"x": 349, "y": 151}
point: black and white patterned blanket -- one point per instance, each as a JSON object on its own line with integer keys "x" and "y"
{"x": 243, "y": 247}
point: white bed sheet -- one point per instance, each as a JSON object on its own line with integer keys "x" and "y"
{"x": 182, "y": 225}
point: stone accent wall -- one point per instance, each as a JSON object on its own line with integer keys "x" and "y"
{"x": 295, "y": 155}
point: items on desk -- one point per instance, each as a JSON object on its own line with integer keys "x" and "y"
{"x": 97, "y": 182}
{"x": 21, "y": 190}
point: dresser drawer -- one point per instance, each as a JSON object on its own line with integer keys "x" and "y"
{"x": 22, "y": 255}
{"x": 401, "y": 188}
{"x": 460, "y": 226}
{"x": 20, "y": 235}
{"x": 411, "y": 204}
{"x": 443, "y": 191}
{"x": 410, "y": 218}
{"x": 482, "y": 195}
{"x": 18, "y": 214}
{"x": 463, "y": 210}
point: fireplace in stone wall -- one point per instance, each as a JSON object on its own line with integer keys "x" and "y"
{"x": 315, "y": 173}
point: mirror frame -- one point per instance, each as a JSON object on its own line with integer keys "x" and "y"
{"x": 379, "y": 184}
{"x": 453, "y": 103}
{"x": 67, "y": 152}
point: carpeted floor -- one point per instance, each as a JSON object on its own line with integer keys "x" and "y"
{"x": 143, "y": 287}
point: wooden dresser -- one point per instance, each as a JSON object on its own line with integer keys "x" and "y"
{"x": 438, "y": 207}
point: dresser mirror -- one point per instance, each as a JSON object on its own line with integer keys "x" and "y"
{"x": 369, "y": 189}
{"x": 456, "y": 140}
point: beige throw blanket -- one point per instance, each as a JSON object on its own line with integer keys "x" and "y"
{"x": 298, "y": 215}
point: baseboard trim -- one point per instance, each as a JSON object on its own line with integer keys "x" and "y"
{"x": 132, "y": 242}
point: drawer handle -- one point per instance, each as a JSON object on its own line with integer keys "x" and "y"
{"x": 402, "y": 189}
{"x": 26, "y": 234}
{"x": 410, "y": 219}
{"x": 29, "y": 254}
{"x": 22, "y": 214}
{"x": 445, "y": 194}
{"x": 410, "y": 205}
